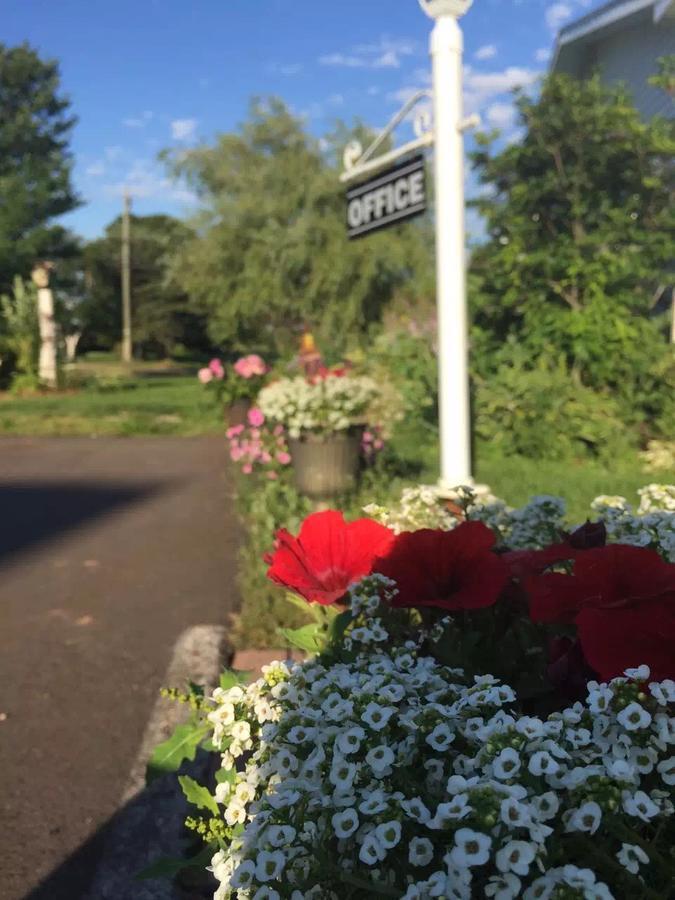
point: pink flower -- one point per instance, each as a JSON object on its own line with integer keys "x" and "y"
{"x": 256, "y": 417}
{"x": 283, "y": 457}
{"x": 216, "y": 369}
{"x": 265, "y": 457}
{"x": 234, "y": 431}
{"x": 205, "y": 375}
{"x": 235, "y": 454}
{"x": 247, "y": 468}
{"x": 249, "y": 366}
{"x": 278, "y": 430}
{"x": 272, "y": 475}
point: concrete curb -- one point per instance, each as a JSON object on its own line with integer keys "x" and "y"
{"x": 149, "y": 823}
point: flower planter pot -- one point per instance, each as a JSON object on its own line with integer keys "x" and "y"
{"x": 237, "y": 412}
{"x": 325, "y": 465}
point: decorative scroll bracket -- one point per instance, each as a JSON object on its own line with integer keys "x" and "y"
{"x": 357, "y": 163}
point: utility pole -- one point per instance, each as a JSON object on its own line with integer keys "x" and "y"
{"x": 127, "y": 347}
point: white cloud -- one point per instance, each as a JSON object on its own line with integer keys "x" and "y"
{"x": 487, "y": 51}
{"x": 558, "y": 14}
{"x": 340, "y": 59}
{"x": 480, "y": 87}
{"x": 138, "y": 121}
{"x": 336, "y": 100}
{"x": 290, "y": 69}
{"x": 373, "y": 90}
{"x": 183, "y": 129}
{"x": 95, "y": 170}
{"x": 387, "y": 53}
{"x": 542, "y": 55}
{"x": 145, "y": 180}
{"x": 113, "y": 152}
{"x": 501, "y": 115}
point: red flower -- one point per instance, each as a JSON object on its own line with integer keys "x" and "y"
{"x": 622, "y": 600}
{"x": 327, "y": 556}
{"x": 534, "y": 562}
{"x": 449, "y": 569}
{"x": 614, "y": 640}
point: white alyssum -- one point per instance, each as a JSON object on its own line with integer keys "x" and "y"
{"x": 479, "y": 810}
{"x": 325, "y": 406}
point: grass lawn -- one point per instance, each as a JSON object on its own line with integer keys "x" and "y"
{"x": 148, "y": 399}
{"x": 516, "y": 479}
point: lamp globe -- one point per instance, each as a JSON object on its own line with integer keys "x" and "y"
{"x": 437, "y": 8}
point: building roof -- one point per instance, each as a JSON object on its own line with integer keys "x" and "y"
{"x": 603, "y": 21}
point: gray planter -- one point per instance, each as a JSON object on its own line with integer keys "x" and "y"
{"x": 325, "y": 466}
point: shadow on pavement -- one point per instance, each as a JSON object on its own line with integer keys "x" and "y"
{"x": 34, "y": 512}
{"x": 147, "y": 828}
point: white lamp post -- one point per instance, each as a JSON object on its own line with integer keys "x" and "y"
{"x": 449, "y": 125}
{"x": 446, "y": 133}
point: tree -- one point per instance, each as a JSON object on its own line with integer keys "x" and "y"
{"x": 160, "y": 315}
{"x": 270, "y": 253}
{"x": 579, "y": 217}
{"x": 19, "y": 330}
{"x": 35, "y": 164}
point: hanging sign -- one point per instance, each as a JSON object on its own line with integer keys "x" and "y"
{"x": 393, "y": 196}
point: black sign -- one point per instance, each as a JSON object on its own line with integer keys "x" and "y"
{"x": 393, "y": 196}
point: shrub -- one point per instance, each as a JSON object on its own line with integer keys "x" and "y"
{"x": 543, "y": 413}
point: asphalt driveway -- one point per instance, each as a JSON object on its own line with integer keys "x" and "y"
{"x": 109, "y": 549}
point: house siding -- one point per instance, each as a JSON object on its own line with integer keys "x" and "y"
{"x": 630, "y": 56}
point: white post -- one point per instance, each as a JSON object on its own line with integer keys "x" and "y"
{"x": 455, "y": 428}
{"x": 47, "y": 368}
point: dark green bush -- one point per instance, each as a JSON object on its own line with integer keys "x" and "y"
{"x": 542, "y": 412}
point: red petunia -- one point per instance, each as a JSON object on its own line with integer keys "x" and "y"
{"x": 327, "y": 556}
{"x": 450, "y": 569}
{"x": 622, "y": 600}
{"x": 534, "y": 562}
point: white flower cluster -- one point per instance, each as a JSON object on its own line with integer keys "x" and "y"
{"x": 651, "y": 525}
{"x": 542, "y": 520}
{"x": 324, "y": 406}
{"x": 658, "y": 456}
{"x": 420, "y": 506}
{"x": 391, "y": 775}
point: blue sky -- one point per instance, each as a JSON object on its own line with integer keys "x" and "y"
{"x": 149, "y": 74}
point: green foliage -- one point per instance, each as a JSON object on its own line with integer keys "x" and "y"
{"x": 115, "y": 405}
{"x": 403, "y": 355}
{"x": 161, "y": 319}
{"x": 197, "y": 794}
{"x": 172, "y": 753}
{"x": 545, "y": 413}
{"x": 169, "y": 867}
{"x": 665, "y": 76}
{"x": 35, "y": 163}
{"x": 270, "y": 253}
{"x": 271, "y": 505}
{"x": 19, "y": 329}
{"x": 579, "y": 217}
{"x": 310, "y": 638}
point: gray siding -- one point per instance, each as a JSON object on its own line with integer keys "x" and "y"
{"x": 629, "y": 56}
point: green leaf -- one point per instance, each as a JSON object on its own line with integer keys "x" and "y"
{"x": 226, "y": 775}
{"x": 198, "y": 795}
{"x": 309, "y": 609}
{"x": 229, "y": 679}
{"x": 182, "y": 745}
{"x": 311, "y": 638}
{"x": 169, "y": 866}
{"x": 340, "y": 624}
